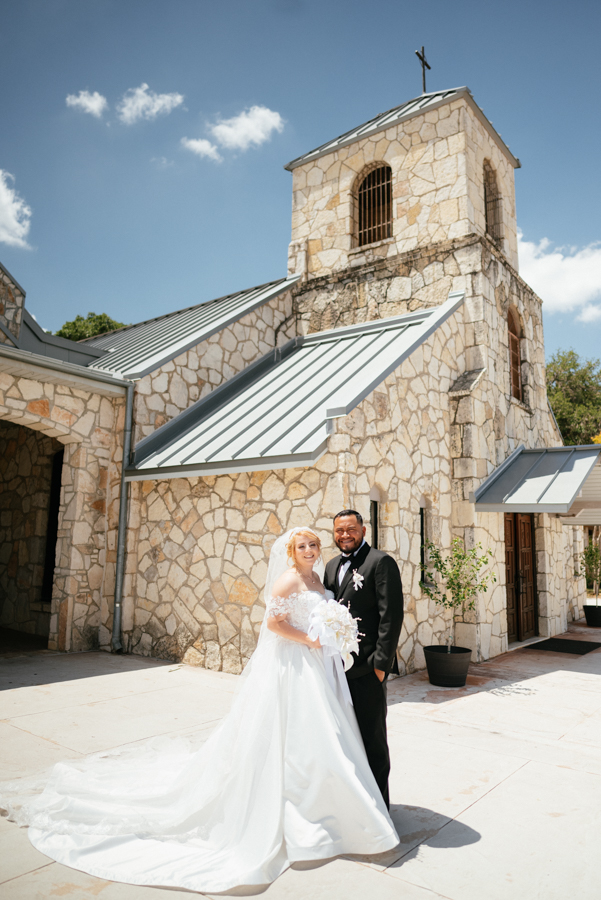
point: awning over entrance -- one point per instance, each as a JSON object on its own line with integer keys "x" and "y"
{"x": 553, "y": 480}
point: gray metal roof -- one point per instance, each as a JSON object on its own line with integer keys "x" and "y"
{"x": 138, "y": 349}
{"x": 586, "y": 509}
{"x": 277, "y": 413}
{"x": 415, "y": 107}
{"x": 36, "y": 340}
{"x": 551, "y": 480}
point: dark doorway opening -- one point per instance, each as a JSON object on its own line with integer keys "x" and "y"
{"x": 52, "y": 528}
{"x": 522, "y": 600}
{"x": 30, "y": 481}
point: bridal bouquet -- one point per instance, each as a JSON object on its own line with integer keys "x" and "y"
{"x": 336, "y": 629}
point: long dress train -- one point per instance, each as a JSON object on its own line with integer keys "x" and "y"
{"x": 283, "y": 778}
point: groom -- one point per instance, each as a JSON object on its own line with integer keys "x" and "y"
{"x": 368, "y": 582}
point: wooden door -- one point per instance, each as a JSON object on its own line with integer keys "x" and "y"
{"x": 522, "y": 613}
{"x": 511, "y": 577}
{"x": 527, "y": 601}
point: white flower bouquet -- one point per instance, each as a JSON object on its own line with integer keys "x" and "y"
{"x": 336, "y": 629}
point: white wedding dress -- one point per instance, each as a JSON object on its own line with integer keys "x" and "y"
{"x": 283, "y": 778}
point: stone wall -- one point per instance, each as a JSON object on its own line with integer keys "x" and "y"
{"x": 561, "y": 590}
{"x": 12, "y": 299}
{"x": 391, "y": 287}
{"x": 198, "y": 550}
{"x": 90, "y": 426}
{"x": 198, "y": 558}
{"x": 487, "y": 425}
{"x": 164, "y": 393}
{"x": 436, "y": 160}
{"x": 25, "y": 474}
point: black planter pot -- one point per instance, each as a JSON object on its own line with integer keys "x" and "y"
{"x": 593, "y": 615}
{"x": 448, "y": 669}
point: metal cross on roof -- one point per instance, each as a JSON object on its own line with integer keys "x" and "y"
{"x": 425, "y": 65}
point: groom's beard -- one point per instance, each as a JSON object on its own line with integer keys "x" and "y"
{"x": 347, "y": 551}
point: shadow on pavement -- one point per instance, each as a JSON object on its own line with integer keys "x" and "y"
{"x": 504, "y": 674}
{"x": 28, "y": 669}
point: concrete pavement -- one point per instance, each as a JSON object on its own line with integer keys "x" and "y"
{"x": 496, "y": 787}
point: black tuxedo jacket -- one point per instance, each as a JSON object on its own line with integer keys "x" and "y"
{"x": 378, "y": 603}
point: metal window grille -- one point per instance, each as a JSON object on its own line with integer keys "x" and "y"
{"x": 514, "y": 359}
{"x": 374, "y": 202}
{"x": 492, "y": 205}
{"x": 422, "y": 542}
{"x": 373, "y": 515}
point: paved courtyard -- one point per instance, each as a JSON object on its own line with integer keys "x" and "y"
{"x": 496, "y": 787}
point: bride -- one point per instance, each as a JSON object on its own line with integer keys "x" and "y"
{"x": 283, "y": 778}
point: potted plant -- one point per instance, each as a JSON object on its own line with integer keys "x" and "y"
{"x": 590, "y": 566}
{"x": 456, "y": 587}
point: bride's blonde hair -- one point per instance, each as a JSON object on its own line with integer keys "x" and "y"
{"x": 291, "y": 545}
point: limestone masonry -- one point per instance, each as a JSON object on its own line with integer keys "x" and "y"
{"x": 419, "y": 444}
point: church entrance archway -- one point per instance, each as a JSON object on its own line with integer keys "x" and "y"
{"x": 520, "y": 570}
{"x": 31, "y": 466}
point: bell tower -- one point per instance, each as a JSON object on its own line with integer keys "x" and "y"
{"x": 429, "y": 171}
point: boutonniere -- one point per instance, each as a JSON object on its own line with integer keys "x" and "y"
{"x": 357, "y": 580}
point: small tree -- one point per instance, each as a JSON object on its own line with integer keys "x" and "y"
{"x": 574, "y": 391}
{"x": 459, "y": 579}
{"x": 94, "y": 323}
{"x": 590, "y": 560}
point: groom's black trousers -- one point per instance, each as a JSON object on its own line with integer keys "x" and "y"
{"x": 369, "y": 700}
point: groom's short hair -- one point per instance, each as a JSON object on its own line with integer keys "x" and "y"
{"x": 350, "y": 512}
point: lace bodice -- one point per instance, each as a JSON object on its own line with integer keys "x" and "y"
{"x": 296, "y": 607}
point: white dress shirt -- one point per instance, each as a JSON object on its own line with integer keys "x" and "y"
{"x": 345, "y": 565}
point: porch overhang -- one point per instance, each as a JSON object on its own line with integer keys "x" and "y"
{"x": 561, "y": 480}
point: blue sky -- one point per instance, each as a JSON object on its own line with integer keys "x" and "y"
{"x": 105, "y": 209}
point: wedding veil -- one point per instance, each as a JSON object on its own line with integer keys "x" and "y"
{"x": 280, "y": 563}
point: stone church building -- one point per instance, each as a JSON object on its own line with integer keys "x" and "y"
{"x": 399, "y": 369}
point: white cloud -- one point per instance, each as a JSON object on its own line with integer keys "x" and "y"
{"x": 14, "y": 214}
{"x": 142, "y": 103}
{"x": 566, "y": 278}
{"x": 201, "y": 147}
{"x": 253, "y": 126}
{"x": 94, "y": 104}
{"x": 161, "y": 162}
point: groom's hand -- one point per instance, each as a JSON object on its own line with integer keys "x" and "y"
{"x": 381, "y": 675}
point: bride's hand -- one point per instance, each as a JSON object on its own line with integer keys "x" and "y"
{"x": 315, "y": 645}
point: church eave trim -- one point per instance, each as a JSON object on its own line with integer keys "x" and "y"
{"x": 228, "y": 467}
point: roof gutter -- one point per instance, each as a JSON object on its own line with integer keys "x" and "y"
{"x": 116, "y": 642}
{"x": 26, "y": 364}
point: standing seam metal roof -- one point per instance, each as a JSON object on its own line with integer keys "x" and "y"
{"x": 277, "y": 413}
{"x": 542, "y": 480}
{"x": 407, "y": 110}
{"x": 138, "y": 349}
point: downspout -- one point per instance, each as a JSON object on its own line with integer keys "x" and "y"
{"x": 116, "y": 644}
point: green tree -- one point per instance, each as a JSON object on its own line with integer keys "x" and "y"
{"x": 93, "y": 324}
{"x": 574, "y": 391}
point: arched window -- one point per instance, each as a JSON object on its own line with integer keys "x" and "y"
{"x": 515, "y": 363}
{"x": 374, "y": 206}
{"x": 492, "y": 204}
